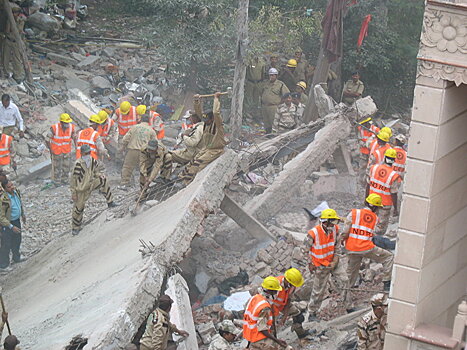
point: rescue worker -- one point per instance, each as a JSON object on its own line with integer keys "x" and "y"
{"x": 302, "y": 66}
{"x": 401, "y": 157}
{"x": 372, "y": 326}
{"x": 300, "y": 88}
{"x": 59, "y": 140}
{"x": 156, "y": 122}
{"x": 259, "y": 327}
{"x": 191, "y": 138}
{"x": 213, "y": 139}
{"x": 159, "y": 327}
{"x": 11, "y": 51}
{"x": 282, "y": 302}
{"x": 255, "y": 73}
{"x": 135, "y": 141}
{"x": 367, "y": 131}
{"x": 383, "y": 180}
{"x": 321, "y": 242}
{"x": 90, "y": 137}
{"x": 271, "y": 97}
{"x": 353, "y": 89}
{"x": 227, "y": 334}
{"x": 154, "y": 159}
{"x": 107, "y": 128}
{"x": 7, "y": 151}
{"x": 10, "y": 117}
{"x": 86, "y": 178}
{"x": 300, "y": 106}
{"x": 377, "y": 148}
{"x": 357, "y": 235}
{"x": 286, "y": 117}
{"x": 126, "y": 117}
{"x": 287, "y": 74}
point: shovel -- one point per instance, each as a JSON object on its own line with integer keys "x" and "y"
{"x": 135, "y": 209}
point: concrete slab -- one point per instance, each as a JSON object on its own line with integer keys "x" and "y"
{"x": 96, "y": 284}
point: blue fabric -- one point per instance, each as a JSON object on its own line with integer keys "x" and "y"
{"x": 15, "y": 206}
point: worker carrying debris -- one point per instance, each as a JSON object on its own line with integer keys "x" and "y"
{"x": 213, "y": 139}
{"x": 401, "y": 157}
{"x": 191, "y": 138}
{"x": 7, "y": 151}
{"x": 86, "y": 178}
{"x": 377, "y": 147}
{"x": 227, "y": 334}
{"x": 271, "y": 97}
{"x": 135, "y": 140}
{"x": 383, "y": 180}
{"x": 107, "y": 128}
{"x": 153, "y": 160}
{"x": 90, "y": 137}
{"x": 282, "y": 302}
{"x": 259, "y": 327}
{"x": 372, "y": 326}
{"x": 59, "y": 141}
{"x": 322, "y": 242}
{"x": 159, "y": 327}
{"x": 358, "y": 234}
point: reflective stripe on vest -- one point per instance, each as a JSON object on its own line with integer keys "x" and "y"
{"x": 251, "y": 316}
{"x": 61, "y": 139}
{"x": 366, "y": 135}
{"x": 381, "y": 178}
{"x": 322, "y": 249}
{"x": 5, "y": 144}
{"x": 126, "y": 121}
{"x": 401, "y": 159}
{"x": 282, "y": 297}
{"x": 155, "y": 121}
{"x": 89, "y": 137}
{"x": 361, "y": 230}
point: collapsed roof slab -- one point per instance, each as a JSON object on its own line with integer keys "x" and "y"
{"x": 96, "y": 284}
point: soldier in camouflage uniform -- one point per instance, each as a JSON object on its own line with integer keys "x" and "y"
{"x": 372, "y": 326}
{"x": 227, "y": 334}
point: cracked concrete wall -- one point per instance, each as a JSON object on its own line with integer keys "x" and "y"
{"x": 96, "y": 284}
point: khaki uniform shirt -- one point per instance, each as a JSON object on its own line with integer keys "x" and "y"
{"x": 213, "y": 135}
{"x": 352, "y": 87}
{"x": 286, "y": 118}
{"x": 272, "y": 93}
{"x": 158, "y": 329}
{"x": 150, "y": 162}
{"x": 138, "y": 136}
{"x": 219, "y": 343}
{"x": 288, "y": 77}
{"x": 255, "y": 71}
{"x": 82, "y": 176}
{"x": 304, "y": 98}
{"x": 192, "y": 140}
{"x": 300, "y": 70}
{"x": 371, "y": 332}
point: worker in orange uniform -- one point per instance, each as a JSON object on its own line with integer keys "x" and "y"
{"x": 155, "y": 120}
{"x": 358, "y": 237}
{"x": 107, "y": 127}
{"x": 401, "y": 157}
{"x": 90, "y": 136}
{"x": 367, "y": 131}
{"x": 321, "y": 242}
{"x": 259, "y": 327}
{"x": 383, "y": 180}
{"x": 282, "y": 302}
{"x": 377, "y": 148}
{"x": 59, "y": 140}
{"x": 6, "y": 151}
{"x": 126, "y": 117}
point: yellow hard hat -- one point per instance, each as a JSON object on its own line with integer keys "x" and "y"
{"x": 125, "y": 107}
{"x": 292, "y": 63}
{"x": 391, "y": 153}
{"x": 102, "y": 116}
{"x": 294, "y": 277}
{"x": 302, "y": 84}
{"x": 384, "y": 136}
{"x": 65, "y": 117}
{"x": 387, "y": 130}
{"x": 329, "y": 214}
{"x": 366, "y": 120}
{"x": 374, "y": 199}
{"x": 271, "y": 283}
{"x": 141, "y": 109}
{"x": 95, "y": 119}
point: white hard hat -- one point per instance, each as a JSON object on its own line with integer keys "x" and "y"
{"x": 273, "y": 71}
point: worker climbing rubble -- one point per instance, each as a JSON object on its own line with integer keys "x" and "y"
{"x": 371, "y": 328}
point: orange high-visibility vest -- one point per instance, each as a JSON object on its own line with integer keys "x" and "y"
{"x": 61, "y": 139}
{"x": 87, "y": 136}
{"x": 401, "y": 159}
{"x": 365, "y": 135}
{"x": 282, "y": 297}
{"x": 250, "y": 319}
{"x": 361, "y": 231}
{"x": 155, "y": 121}
{"x": 5, "y": 144}
{"x": 378, "y": 152}
{"x": 104, "y": 130}
{"x": 381, "y": 178}
{"x": 322, "y": 249}
{"x": 126, "y": 121}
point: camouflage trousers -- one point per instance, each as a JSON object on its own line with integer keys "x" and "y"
{"x": 384, "y": 214}
{"x": 61, "y": 167}
{"x": 377, "y": 254}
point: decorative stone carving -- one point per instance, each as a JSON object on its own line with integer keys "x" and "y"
{"x": 439, "y": 71}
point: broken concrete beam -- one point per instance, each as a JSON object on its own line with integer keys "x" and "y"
{"x": 79, "y": 112}
{"x": 35, "y": 171}
{"x": 365, "y": 107}
{"x": 343, "y": 160}
{"x": 181, "y": 314}
{"x": 79, "y": 95}
{"x": 324, "y": 184}
{"x": 102, "y": 288}
{"x": 244, "y": 220}
{"x": 61, "y": 59}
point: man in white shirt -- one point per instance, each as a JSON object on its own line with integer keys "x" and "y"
{"x": 10, "y": 117}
